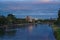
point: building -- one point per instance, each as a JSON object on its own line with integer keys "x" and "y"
{"x": 28, "y": 19}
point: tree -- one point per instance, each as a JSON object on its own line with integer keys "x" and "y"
{"x": 2, "y": 20}
{"x": 11, "y": 18}
{"x": 58, "y": 19}
{"x": 58, "y": 13}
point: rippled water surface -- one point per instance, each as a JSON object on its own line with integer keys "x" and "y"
{"x": 29, "y": 32}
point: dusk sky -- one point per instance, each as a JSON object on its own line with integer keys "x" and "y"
{"x": 30, "y": 7}
{"x": 34, "y": 0}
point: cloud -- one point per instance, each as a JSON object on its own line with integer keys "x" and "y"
{"x": 45, "y": 0}
{"x": 33, "y": 0}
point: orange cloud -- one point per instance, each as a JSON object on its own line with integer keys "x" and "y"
{"x": 45, "y": 0}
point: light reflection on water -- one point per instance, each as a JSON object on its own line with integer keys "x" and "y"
{"x": 29, "y": 32}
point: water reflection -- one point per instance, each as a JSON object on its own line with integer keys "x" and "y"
{"x": 11, "y": 33}
{"x": 2, "y": 33}
{"x": 29, "y": 32}
{"x": 7, "y": 33}
{"x": 30, "y": 28}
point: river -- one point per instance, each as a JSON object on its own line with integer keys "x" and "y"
{"x": 29, "y": 32}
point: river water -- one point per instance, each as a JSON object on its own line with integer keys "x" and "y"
{"x": 29, "y": 32}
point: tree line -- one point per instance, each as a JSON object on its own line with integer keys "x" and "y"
{"x": 7, "y": 20}
{"x": 58, "y": 19}
{"x": 11, "y": 19}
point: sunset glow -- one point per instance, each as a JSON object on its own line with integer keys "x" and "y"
{"x": 45, "y": 0}
{"x": 34, "y": 0}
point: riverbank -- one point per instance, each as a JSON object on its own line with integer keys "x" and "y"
{"x": 56, "y": 32}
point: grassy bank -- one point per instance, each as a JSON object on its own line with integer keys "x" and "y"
{"x": 56, "y": 32}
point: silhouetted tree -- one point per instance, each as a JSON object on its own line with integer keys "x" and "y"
{"x": 58, "y": 19}
{"x": 58, "y": 13}
{"x": 3, "y": 20}
{"x": 11, "y": 18}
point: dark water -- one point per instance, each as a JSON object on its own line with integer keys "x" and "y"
{"x": 29, "y": 32}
